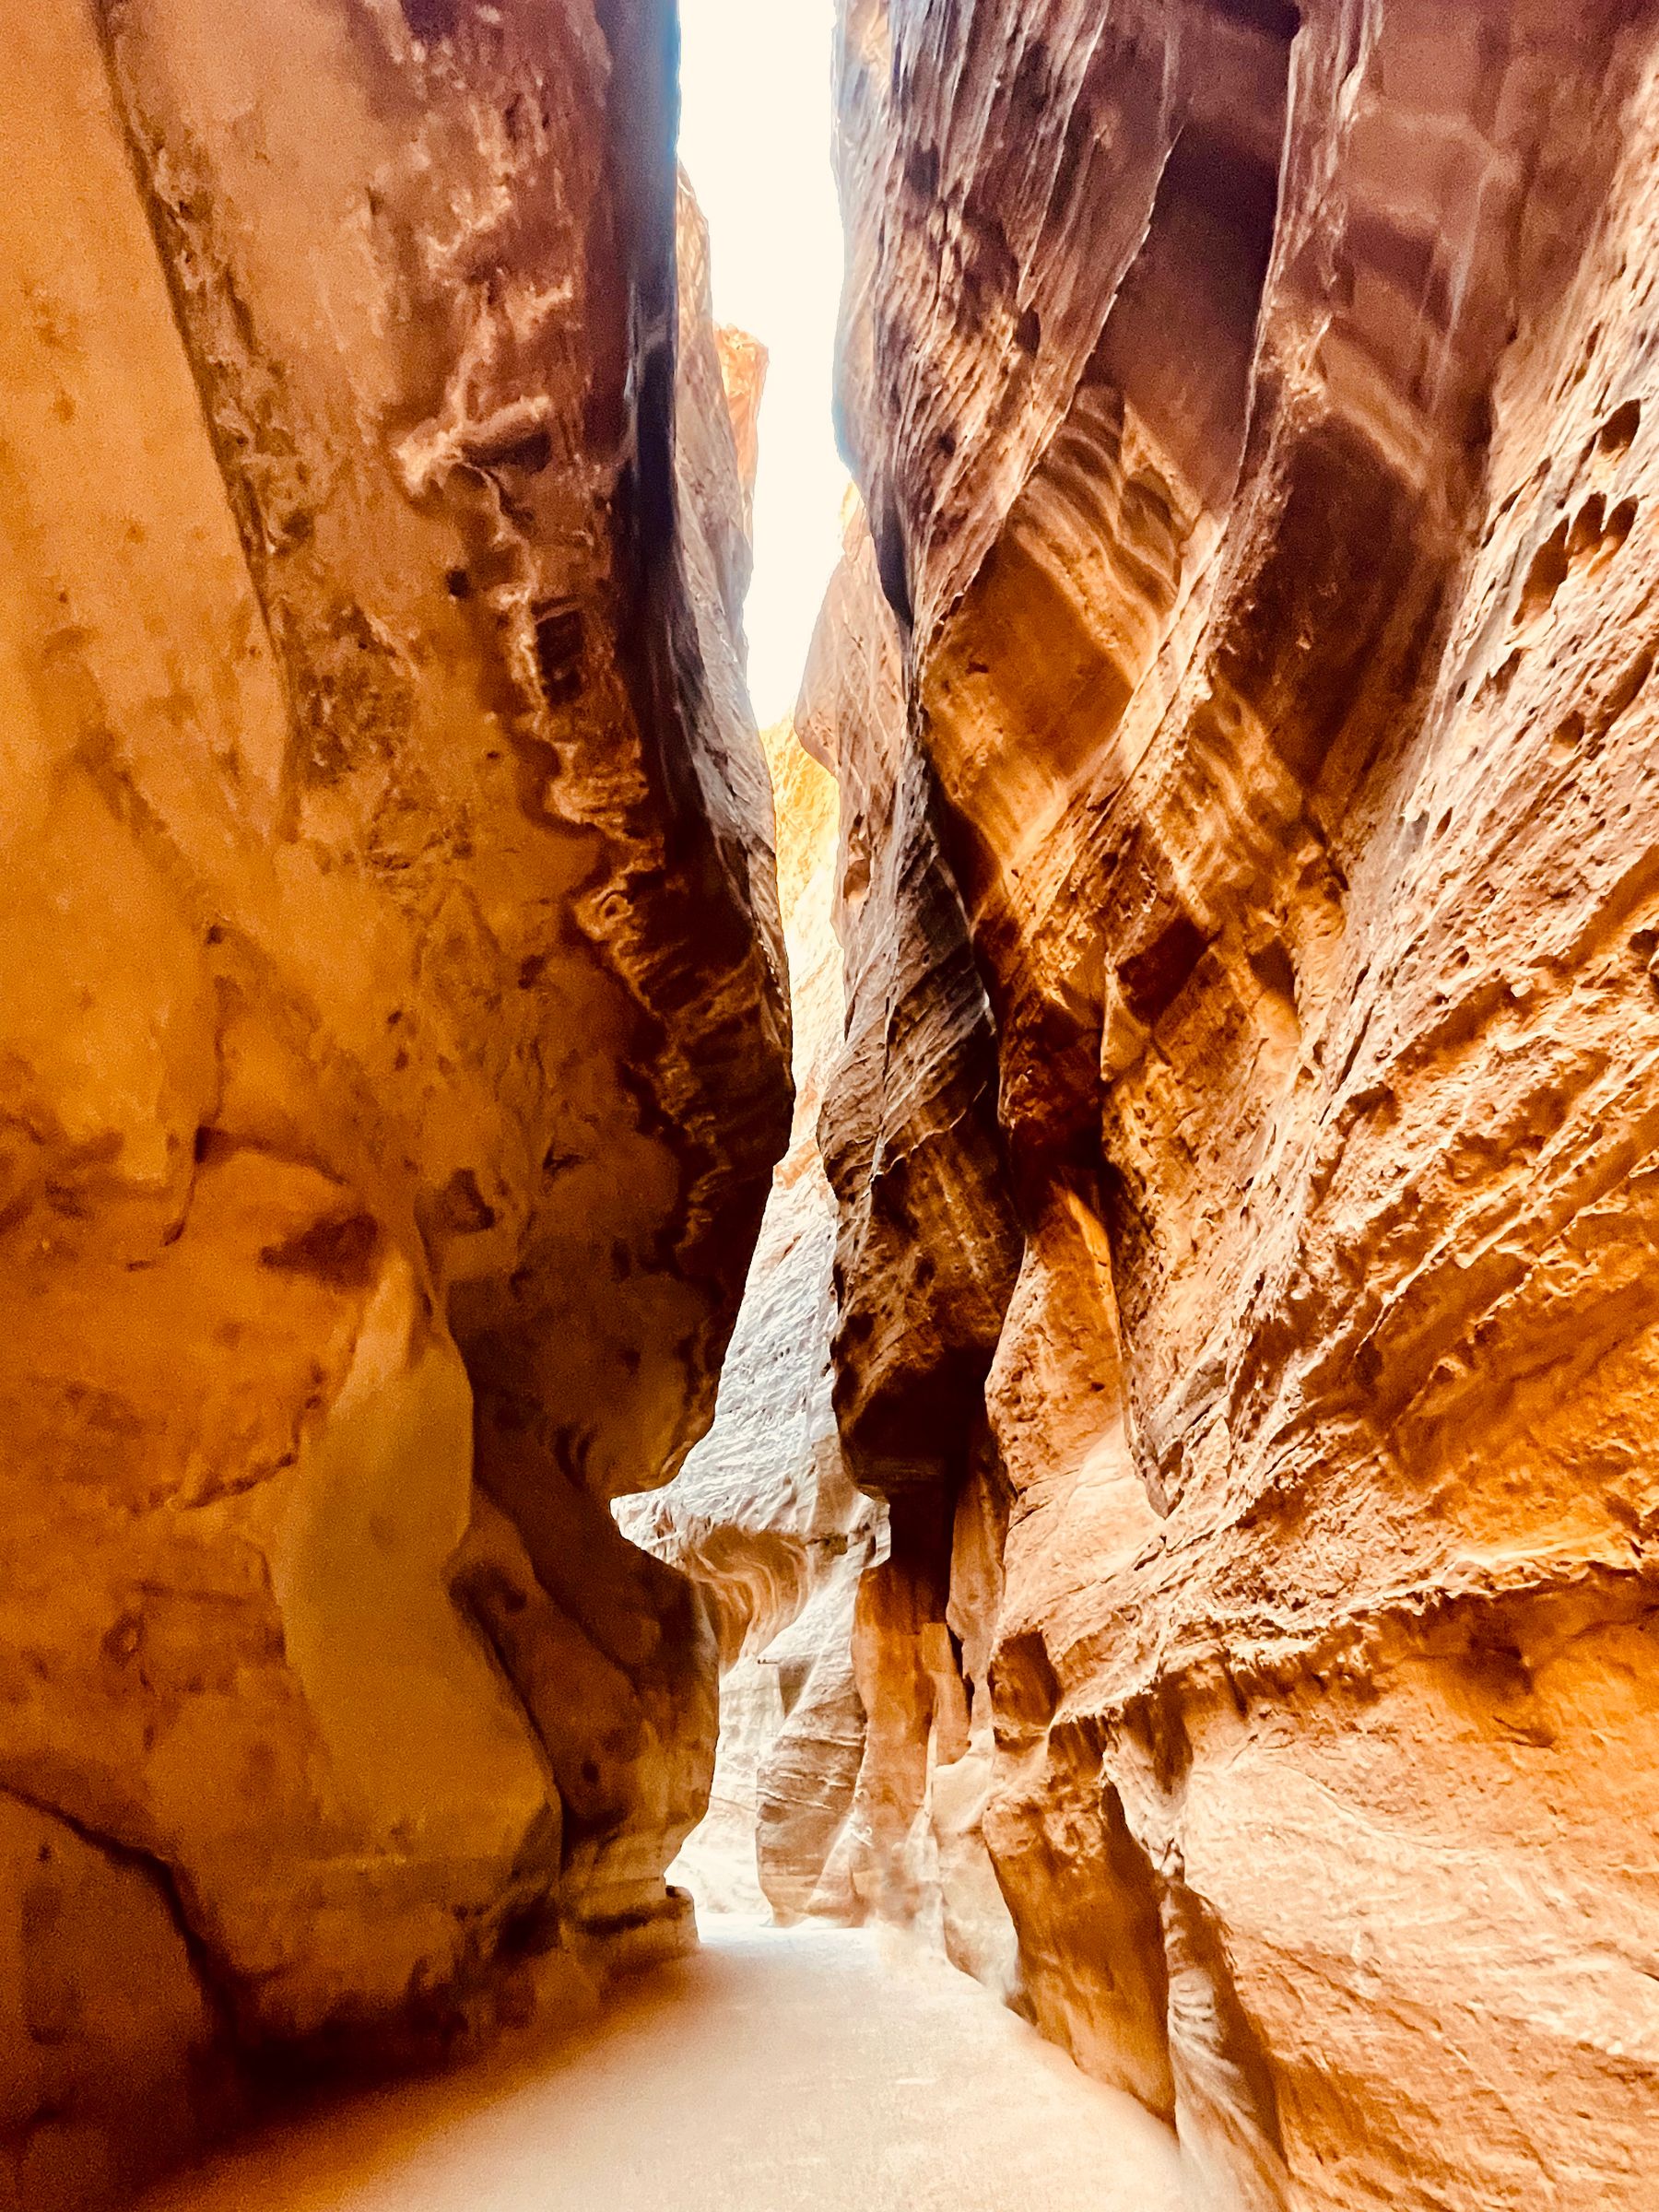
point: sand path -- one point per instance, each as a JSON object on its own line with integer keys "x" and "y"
{"x": 800, "y": 2071}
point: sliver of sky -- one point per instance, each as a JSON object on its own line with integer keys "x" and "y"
{"x": 755, "y": 139}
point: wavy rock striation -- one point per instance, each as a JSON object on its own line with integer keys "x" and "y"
{"x": 1253, "y": 407}
{"x": 392, "y": 1037}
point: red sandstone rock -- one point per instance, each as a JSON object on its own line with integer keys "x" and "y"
{"x": 1253, "y": 406}
{"x": 391, "y": 1030}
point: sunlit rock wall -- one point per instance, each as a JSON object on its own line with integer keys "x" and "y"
{"x": 1255, "y": 410}
{"x": 391, "y": 1036}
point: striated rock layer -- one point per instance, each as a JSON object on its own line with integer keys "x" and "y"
{"x": 391, "y": 1030}
{"x": 910, "y": 1143}
{"x": 1254, "y": 405}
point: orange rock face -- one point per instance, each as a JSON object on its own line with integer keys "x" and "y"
{"x": 1254, "y": 407}
{"x": 392, "y": 1042}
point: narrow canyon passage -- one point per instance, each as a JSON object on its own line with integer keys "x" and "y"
{"x": 829, "y": 1076}
{"x": 811, "y": 2070}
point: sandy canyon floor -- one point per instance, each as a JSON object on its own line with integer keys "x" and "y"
{"x": 771, "y": 2072}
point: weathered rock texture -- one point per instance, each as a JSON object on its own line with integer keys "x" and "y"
{"x": 909, "y": 1127}
{"x": 1255, "y": 407}
{"x": 391, "y": 1054}
{"x": 764, "y": 1515}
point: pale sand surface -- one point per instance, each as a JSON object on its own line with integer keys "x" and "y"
{"x": 802, "y": 2071}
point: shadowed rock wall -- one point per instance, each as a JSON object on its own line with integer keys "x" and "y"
{"x": 392, "y": 1043}
{"x": 1253, "y": 409}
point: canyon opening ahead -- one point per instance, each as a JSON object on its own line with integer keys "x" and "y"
{"x": 829, "y": 1088}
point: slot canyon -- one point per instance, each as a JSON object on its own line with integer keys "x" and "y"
{"x": 1000, "y": 1338}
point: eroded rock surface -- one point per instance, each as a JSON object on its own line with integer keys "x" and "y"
{"x": 391, "y": 1034}
{"x": 1254, "y": 406}
{"x": 910, "y": 1142}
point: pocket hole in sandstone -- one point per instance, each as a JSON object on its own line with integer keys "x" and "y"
{"x": 1583, "y": 369}
{"x": 1497, "y": 682}
{"x": 1274, "y": 970}
{"x": 1627, "y": 689}
{"x": 1618, "y": 434}
{"x": 1620, "y": 524}
{"x": 1153, "y": 978}
{"x": 1568, "y": 734}
{"x": 1545, "y": 576}
{"x": 1587, "y": 526}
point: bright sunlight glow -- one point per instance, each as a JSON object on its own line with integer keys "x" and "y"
{"x": 755, "y": 141}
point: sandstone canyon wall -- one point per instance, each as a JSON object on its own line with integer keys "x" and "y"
{"x": 392, "y": 1051}
{"x": 926, "y": 1250}
{"x": 1250, "y": 896}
